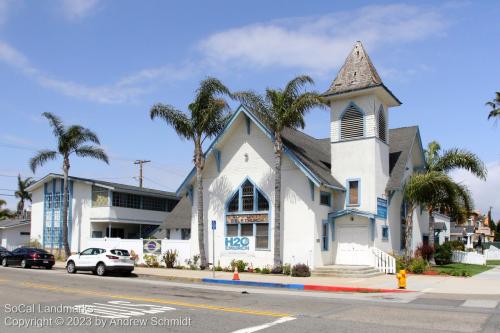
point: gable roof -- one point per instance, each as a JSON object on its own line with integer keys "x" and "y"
{"x": 13, "y": 223}
{"x": 357, "y": 73}
{"x": 306, "y": 152}
{"x": 178, "y": 218}
{"x": 110, "y": 185}
{"x": 402, "y": 140}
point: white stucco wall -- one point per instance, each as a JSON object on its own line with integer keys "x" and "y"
{"x": 11, "y": 238}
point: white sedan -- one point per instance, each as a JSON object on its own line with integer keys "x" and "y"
{"x": 100, "y": 261}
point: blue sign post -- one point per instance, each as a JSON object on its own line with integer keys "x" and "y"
{"x": 214, "y": 226}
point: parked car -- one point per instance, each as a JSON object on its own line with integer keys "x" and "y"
{"x": 26, "y": 257}
{"x": 101, "y": 261}
{"x": 3, "y": 252}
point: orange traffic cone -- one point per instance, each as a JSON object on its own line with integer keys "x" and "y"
{"x": 236, "y": 276}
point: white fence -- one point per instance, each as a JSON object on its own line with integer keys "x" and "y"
{"x": 468, "y": 258}
{"x": 383, "y": 262}
{"x": 493, "y": 253}
{"x": 183, "y": 247}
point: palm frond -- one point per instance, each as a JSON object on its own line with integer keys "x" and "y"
{"x": 92, "y": 152}
{"x": 460, "y": 159}
{"x": 210, "y": 88}
{"x": 55, "y": 122}
{"x": 293, "y": 87}
{"x": 177, "y": 119}
{"x": 41, "y": 157}
{"x": 77, "y": 135}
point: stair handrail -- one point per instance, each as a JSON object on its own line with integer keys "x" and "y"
{"x": 383, "y": 261}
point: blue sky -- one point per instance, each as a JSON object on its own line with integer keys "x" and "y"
{"x": 102, "y": 64}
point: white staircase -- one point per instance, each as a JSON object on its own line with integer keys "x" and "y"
{"x": 383, "y": 262}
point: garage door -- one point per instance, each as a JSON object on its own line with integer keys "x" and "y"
{"x": 353, "y": 246}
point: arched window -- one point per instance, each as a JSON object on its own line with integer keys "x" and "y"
{"x": 382, "y": 125}
{"x": 247, "y": 215}
{"x": 351, "y": 123}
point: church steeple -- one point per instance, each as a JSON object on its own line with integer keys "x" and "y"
{"x": 358, "y": 73}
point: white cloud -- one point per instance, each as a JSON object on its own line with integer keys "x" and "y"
{"x": 320, "y": 43}
{"x": 78, "y": 9}
{"x": 4, "y": 10}
{"x": 485, "y": 193}
{"x": 124, "y": 90}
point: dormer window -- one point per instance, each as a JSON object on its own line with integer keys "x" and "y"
{"x": 351, "y": 123}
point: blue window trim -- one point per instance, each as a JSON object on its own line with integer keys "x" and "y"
{"x": 324, "y": 236}
{"x": 332, "y": 227}
{"x": 385, "y": 232}
{"x": 341, "y": 115}
{"x": 44, "y": 213}
{"x": 348, "y": 194}
{"x": 372, "y": 227}
{"x": 329, "y": 198}
{"x": 248, "y": 122}
{"x": 217, "y": 158}
{"x": 255, "y": 210}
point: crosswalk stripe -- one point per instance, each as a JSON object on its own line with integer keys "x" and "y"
{"x": 480, "y": 303}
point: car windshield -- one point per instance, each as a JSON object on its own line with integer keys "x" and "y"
{"x": 123, "y": 253}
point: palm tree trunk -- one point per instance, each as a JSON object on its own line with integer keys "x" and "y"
{"x": 409, "y": 232}
{"x": 277, "y": 201}
{"x": 67, "y": 250}
{"x": 431, "y": 233}
{"x": 199, "y": 196}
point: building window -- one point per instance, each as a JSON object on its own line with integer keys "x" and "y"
{"x": 248, "y": 215}
{"x": 353, "y": 194}
{"x": 262, "y": 236}
{"x": 324, "y": 236}
{"x": 167, "y": 233}
{"x": 382, "y": 125}
{"x": 24, "y": 233}
{"x": 152, "y": 203}
{"x": 96, "y": 234}
{"x": 351, "y": 123}
{"x": 385, "y": 232}
{"x": 325, "y": 198}
{"x": 100, "y": 197}
{"x": 185, "y": 233}
{"x": 128, "y": 200}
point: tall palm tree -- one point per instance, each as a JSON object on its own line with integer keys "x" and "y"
{"x": 208, "y": 114}
{"x": 279, "y": 109}
{"x": 21, "y": 193}
{"x": 444, "y": 162}
{"x": 433, "y": 187}
{"x": 495, "y": 106}
{"x": 73, "y": 139}
{"x": 4, "y": 212}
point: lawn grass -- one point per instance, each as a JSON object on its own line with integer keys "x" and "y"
{"x": 461, "y": 269}
{"x": 493, "y": 262}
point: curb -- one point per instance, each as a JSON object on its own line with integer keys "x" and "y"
{"x": 310, "y": 287}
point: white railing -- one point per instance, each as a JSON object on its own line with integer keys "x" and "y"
{"x": 383, "y": 262}
{"x": 468, "y": 258}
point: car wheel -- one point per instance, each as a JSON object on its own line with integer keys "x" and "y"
{"x": 101, "y": 269}
{"x": 4, "y": 262}
{"x": 71, "y": 269}
{"x": 24, "y": 264}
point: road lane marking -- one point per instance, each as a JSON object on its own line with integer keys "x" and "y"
{"x": 120, "y": 309}
{"x": 152, "y": 300}
{"x": 480, "y": 303}
{"x": 264, "y": 326}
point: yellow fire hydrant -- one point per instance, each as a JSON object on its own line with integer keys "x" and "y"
{"x": 401, "y": 276}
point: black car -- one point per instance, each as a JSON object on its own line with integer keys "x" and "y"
{"x": 3, "y": 252}
{"x": 27, "y": 257}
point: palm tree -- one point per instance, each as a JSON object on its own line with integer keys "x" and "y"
{"x": 279, "y": 109}
{"x": 431, "y": 188}
{"x": 208, "y": 114}
{"x": 444, "y": 162}
{"x": 21, "y": 193}
{"x": 495, "y": 106}
{"x": 4, "y": 212}
{"x": 73, "y": 139}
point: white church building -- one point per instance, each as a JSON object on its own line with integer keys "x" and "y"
{"x": 342, "y": 198}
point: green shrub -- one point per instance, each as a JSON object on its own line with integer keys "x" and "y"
{"x": 456, "y": 245}
{"x": 218, "y": 268}
{"x": 240, "y": 264}
{"x": 287, "y": 269}
{"x": 424, "y": 251}
{"x": 277, "y": 270}
{"x": 443, "y": 254}
{"x": 417, "y": 265}
{"x": 401, "y": 263}
{"x": 151, "y": 260}
{"x": 301, "y": 270}
{"x": 257, "y": 270}
{"x": 193, "y": 263}
{"x": 265, "y": 270}
{"x": 170, "y": 257}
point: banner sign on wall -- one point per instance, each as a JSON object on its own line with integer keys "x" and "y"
{"x": 247, "y": 218}
{"x": 237, "y": 243}
{"x": 152, "y": 246}
{"x": 382, "y": 208}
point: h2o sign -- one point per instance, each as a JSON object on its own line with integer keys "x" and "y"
{"x": 237, "y": 243}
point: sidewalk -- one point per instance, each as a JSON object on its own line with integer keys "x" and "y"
{"x": 487, "y": 283}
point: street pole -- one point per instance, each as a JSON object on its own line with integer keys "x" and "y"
{"x": 214, "y": 223}
{"x": 141, "y": 162}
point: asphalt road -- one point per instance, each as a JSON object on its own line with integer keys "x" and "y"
{"x": 54, "y": 301}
